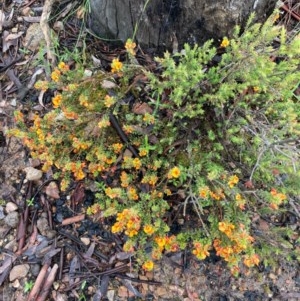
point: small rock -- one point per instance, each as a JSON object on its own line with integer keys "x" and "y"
{"x": 34, "y": 162}
{"x": 123, "y": 292}
{"x": 35, "y": 269}
{"x": 10, "y": 207}
{"x": 85, "y": 240}
{"x": 26, "y": 11}
{"x": 107, "y": 84}
{"x": 110, "y": 295}
{"x": 58, "y": 26}
{"x": 33, "y": 174}
{"x": 18, "y": 272}
{"x": 12, "y": 219}
{"x": 43, "y": 225}
{"x": 16, "y": 283}
{"x": 272, "y": 276}
{"x": 34, "y": 37}
{"x": 12, "y": 245}
{"x": 51, "y": 234}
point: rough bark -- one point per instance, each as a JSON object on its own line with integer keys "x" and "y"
{"x": 165, "y": 22}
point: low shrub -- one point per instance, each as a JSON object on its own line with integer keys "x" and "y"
{"x": 212, "y": 137}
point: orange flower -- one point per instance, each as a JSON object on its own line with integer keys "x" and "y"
{"x": 240, "y": 201}
{"x": 143, "y": 152}
{"x": 136, "y": 163}
{"x": 63, "y": 67}
{"x": 161, "y": 241}
{"x": 251, "y": 260}
{"x": 116, "y": 66}
{"x": 148, "y": 229}
{"x": 156, "y": 253}
{"x": 117, "y": 227}
{"x": 131, "y": 232}
{"x": 117, "y": 147}
{"x": 128, "y": 129}
{"x": 226, "y": 228}
{"x": 55, "y": 75}
{"x": 70, "y": 115}
{"x": 174, "y": 173}
{"x": 124, "y": 179}
{"x": 148, "y": 265}
{"x": 18, "y": 116}
{"x": 200, "y": 250}
{"x": 203, "y": 192}
{"x": 132, "y": 194}
{"x": 233, "y": 180}
{"x": 79, "y": 174}
{"x": 41, "y": 85}
{"x": 225, "y": 42}
{"x": 108, "y": 101}
{"x": 128, "y": 246}
{"x": 129, "y": 46}
{"x": 103, "y": 123}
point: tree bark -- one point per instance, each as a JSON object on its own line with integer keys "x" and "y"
{"x": 163, "y": 23}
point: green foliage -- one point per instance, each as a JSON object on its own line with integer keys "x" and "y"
{"x": 28, "y": 285}
{"x": 215, "y": 141}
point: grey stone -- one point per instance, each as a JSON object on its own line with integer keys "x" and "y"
{"x": 43, "y": 225}
{"x": 18, "y": 272}
{"x": 10, "y": 207}
{"x": 12, "y": 219}
{"x": 163, "y": 23}
{"x": 35, "y": 269}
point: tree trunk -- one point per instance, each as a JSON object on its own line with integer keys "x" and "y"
{"x": 164, "y": 24}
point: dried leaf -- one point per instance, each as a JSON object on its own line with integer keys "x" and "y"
{"x": 141, "y": 108}
{"x": 131, "y": 288}
{"x": 7, "y": 43}
{"x": 78, "y": 195}
{"x": 96, "y": 61}
{"x": 41, "y": 96}
{"x": 13, "y": 36}
{"x": 52, "y": 190}
{"x": 249, "y": 185}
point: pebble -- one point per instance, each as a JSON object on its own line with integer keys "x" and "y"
{"x": 51, "y": 234}
{"x": 110, "y": 295}
{"x": 33, "y": 174}
{"x": 12, "y": 219}
{"x": 10, "y": 207}
{"x": 16, "y": 283}
{"x": 35, "y": 269}
{"x": 18, "y": 271}
{"x": 43, "y": 225}
{"x": 12, "y": 245}
{"x": 35, "y": 35}
{"x": 85, "y": 240}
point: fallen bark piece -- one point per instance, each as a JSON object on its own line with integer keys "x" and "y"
{"x": 74, "y": 219}
{"x": 48, "y": 283}
{"x": 38, "y": 283}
